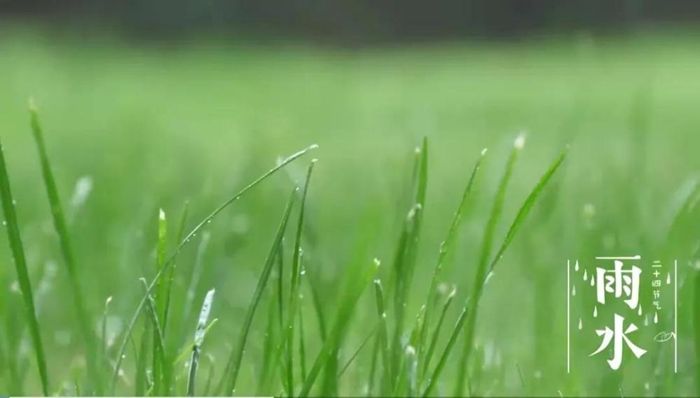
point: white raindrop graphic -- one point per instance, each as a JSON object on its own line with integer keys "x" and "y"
{"x": 592, "y": 281}
{"x": 668, "y": 278}
{"x": 580, "y": 324}
{"x": 576, "y": 266}
{"x": 585, "y": 274}
{"x": 595, "y": 311}
{"x": 656, "y": 317}
{"x": 639, "y": 310}
{"x": 646, "y": 320}
{"x": 573, "y": 290}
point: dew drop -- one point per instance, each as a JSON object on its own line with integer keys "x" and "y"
{"x": 592, "y": 281}
{"x": 668, "y": 278}
{"x": 656, "y": 317}
{"x": 576, "y": 266}
{"x": 585, "y": 275}
{"x": 580, "y": 324}
{"x": 639, "y": 310}
{"x": 595, "y": 311}
{"x": 573, "y": 290}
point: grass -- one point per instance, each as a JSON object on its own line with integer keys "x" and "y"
{"x": 301, "y": 307}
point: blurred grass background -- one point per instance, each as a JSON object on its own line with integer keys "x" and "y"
{"x": 154, "y": 125}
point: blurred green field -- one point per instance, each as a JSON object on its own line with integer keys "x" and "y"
{"x": 155, "y": 125}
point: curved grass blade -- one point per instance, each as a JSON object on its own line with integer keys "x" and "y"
{"x": 526, "y": 207}
{"x": 517, "y": 223}
{"x": 60, "y": 225}
{"x": 234, "y": 363}
{"x": 446, "y": 352}
{"x": 445, "y": 248}
{"x": 13, "y": 235}
{"x": 485, "y": 253}
{"x": 199, "y": 334}
{"x": 436, "y": 332}
{"x": 184, "y": 242}
{"x": 347, "y": 305}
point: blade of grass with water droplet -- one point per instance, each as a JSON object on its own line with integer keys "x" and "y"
{"x": 17, "y": 249}
{"x": 292, "y": 303}
{"x": 233, "y": 366}
{"x": 158, "y": 367}
{"x": 487, "y": 243}
{"x": 348, "y": 300}
{"x": 445, "y": 248}
{"x": 383, "y": 338}
{"x": 199, "y": 334}
{"x": 184, "y": 242}
{"x": 405, "y": 259}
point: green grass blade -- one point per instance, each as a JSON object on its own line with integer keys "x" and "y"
{"x": 436, "y": 332}
{"x": 199, "y": 334}
{"x": 446, "y": 248}
{"x": 60, "y": 225}
{"x": 404, "y": 262}
{"x": 17, "y": 248}
{"x": 487, "y": 243}
{"x": 201, "y": 225}
{"x": 234, "y": 363}
{"x": 294, "y": 287}
{"x": 526, "y": 207}
{"x": 171, "y": 275}
{"x": 446, "y": 351}
{"x": 159, "y": 306}
{"x": 346, "y": 307}
{"x": 302, "y": 345}
{"x": 383, "y": 337}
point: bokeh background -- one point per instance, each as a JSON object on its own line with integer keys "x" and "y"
{"x": 155, "y": 103}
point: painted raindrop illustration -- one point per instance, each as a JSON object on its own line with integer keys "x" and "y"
{"x": 656, "y": 317}
{"x": 646, "y": 320}
{"x": 585, "y": 274}
{"x": 580, "y": 324}
{"x": 592, "y": 281}
{"x": 576, "y": 266}
{"x": 668, "y": 278}
{"x": 639, "y": 310}
{"x": 573, "y": 290}
{"x": 595, "y": 311}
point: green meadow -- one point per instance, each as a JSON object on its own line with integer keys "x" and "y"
{"x": 592, "y": 151}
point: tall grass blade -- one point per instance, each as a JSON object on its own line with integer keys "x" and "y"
{"x": 159, "y": 306}
{"x": 199, "y": 334}
{"x": 184, "y": 242}
{"x": 293, "y": 301}
{"x": 446, "y": 248}
{"x": 17, "y": 249}
{"x": 234, "y": 362}
{"x": 60, "y": 225}
{"x": 404, "y": 262}
{"x": 356, "y": 353}
{"x": 484, "y": 255}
